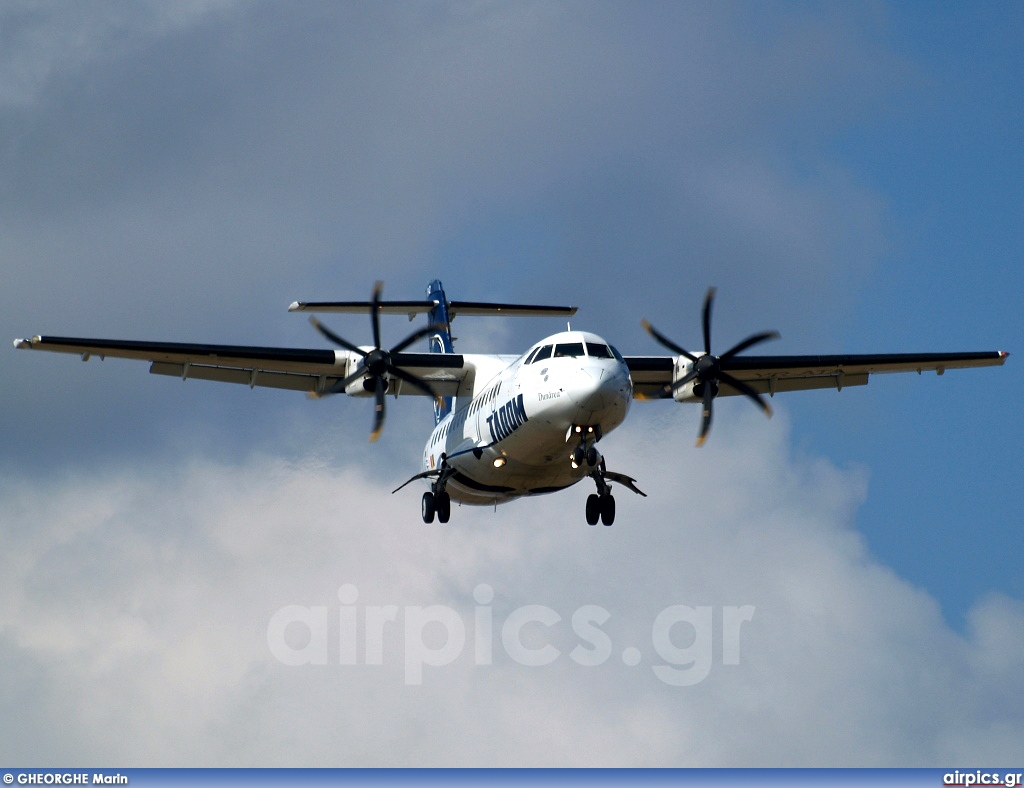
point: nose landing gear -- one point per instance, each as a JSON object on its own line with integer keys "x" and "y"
{"x": 586, "y": 449}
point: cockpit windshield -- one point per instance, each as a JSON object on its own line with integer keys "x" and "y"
{"x": 573, "y": 350}
{"x": 568, "y": 349}
{"x": 597, "y": 350}
{"x": 541, "y": 354}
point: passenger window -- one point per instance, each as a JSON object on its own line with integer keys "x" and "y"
{"x": 598, "y": 350}
{"x": 569, "y": 349}
{"x": 543, "y": 353}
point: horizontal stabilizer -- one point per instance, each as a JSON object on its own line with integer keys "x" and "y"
{"x": 413, "y": 308}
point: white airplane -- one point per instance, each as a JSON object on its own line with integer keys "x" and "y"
{"x": 507, "y": 426}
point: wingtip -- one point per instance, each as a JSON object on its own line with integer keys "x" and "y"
{"x": 295, "y": 306}
{"x": 700, "y": 440}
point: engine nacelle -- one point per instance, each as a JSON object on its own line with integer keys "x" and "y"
{"x": 358, "y": 387}
{"x": 681, "y": 367}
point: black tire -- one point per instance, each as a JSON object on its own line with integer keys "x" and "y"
{"x": 427, "y": 507}
{"x": 443, "y": 505}
{"x": 592, "y": 455}
{"x": 607, "y": 510}
{"x": 579, "y": 455}
{"x": 593, "y": 509}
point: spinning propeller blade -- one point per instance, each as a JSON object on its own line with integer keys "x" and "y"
{"x": 707, "y": 371}
{"x": 376, "y": 365}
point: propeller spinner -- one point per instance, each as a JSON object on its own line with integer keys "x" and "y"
{"x": 376, "y": 365}
{"x": 707, "y": 371}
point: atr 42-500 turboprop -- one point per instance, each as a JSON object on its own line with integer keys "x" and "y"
{"x": 507, "y": 426}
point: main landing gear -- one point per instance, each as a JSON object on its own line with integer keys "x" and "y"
{"x": 436, "y": 502}
{"x": 601, "y": 505}
{"x": 439, "y": 503}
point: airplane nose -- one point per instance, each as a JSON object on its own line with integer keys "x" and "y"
{"x": 599, "y": 388}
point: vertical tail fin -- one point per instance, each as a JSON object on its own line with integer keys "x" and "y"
{"x": 440, "y": 340}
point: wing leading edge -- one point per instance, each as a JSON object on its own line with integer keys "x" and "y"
{"x": 771, "y": 374}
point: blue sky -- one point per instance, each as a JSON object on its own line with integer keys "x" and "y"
{"x": 849, "y": 175}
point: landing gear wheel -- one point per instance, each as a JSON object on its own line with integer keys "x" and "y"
{"x": 579, "y": 454}
{"x": 592, "y": 455}
{"x": 593, "y": 509}
{"x": 427, "y": 507}
{"x": 443, "y": 505}
{"x": 607, "y": 510}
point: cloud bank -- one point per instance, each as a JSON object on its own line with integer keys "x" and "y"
{"x": 136, "y": 605}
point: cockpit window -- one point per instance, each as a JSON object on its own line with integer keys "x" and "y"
{"x": 597, "y": 350}
{"x": 616, "y": 353}
{"x": 529, "y": 358}
{"x": 572, "y": 349}
{"x": 543, "y": 353}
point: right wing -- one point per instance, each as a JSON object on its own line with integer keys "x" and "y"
{"x": 296, "y": 369}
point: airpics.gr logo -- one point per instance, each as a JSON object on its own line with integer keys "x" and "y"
{"x": 679, "y": 666}
{"x": 978, "y": 777}
{"x": 507, "y": 419}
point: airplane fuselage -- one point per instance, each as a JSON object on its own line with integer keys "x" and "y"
{"x": 517, "y": 434}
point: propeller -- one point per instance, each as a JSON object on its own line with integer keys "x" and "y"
{"x": 376, "y": 364}
{"x": 707, "y": 371}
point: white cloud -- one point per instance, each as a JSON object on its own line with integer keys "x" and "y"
{"x": 135, "y": 605}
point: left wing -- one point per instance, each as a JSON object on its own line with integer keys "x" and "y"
{"x": 297, "y": 369}
{"x": 769, "y": 374}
